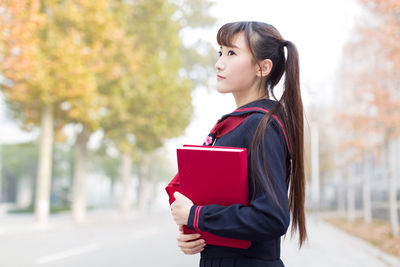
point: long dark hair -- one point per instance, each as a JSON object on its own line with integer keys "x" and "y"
{"x": 265, "y": 42}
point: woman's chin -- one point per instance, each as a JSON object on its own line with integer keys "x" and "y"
{"x": 223, "y": 90}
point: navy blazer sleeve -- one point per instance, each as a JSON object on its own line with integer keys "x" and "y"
{"x": 263, "y": 219}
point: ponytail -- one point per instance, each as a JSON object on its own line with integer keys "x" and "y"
{"x": 290, "y": 109}
{"x": 293, "y": 122}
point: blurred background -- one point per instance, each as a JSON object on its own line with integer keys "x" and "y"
{"x": 95, "y": 97}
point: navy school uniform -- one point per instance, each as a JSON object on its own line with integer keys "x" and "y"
{"x": 263, "y": 221}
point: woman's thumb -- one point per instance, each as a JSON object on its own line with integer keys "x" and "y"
{"x": 177, "y": 194}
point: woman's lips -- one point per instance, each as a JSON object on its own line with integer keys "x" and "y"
{"x": 219, "y": 77}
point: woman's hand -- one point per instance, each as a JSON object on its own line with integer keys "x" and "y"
{"x": 180, "y": 209}
{"x": 190, "y": 243}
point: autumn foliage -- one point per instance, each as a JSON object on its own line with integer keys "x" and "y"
{"x": 369, "y": 76}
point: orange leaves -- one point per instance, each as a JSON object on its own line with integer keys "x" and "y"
{"x": 387, "y": 12}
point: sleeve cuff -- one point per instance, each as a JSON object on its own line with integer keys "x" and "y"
{"x": 194, "y": 217}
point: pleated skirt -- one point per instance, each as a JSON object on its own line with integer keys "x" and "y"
{"x": 238, "y": 262}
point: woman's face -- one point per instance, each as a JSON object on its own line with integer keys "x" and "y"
{"x": 236, "y": 69}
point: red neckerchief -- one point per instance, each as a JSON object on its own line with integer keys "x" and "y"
{"x": 223, "y": 127}
{"x": 227, "y": 124}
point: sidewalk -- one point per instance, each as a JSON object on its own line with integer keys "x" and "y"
{"x": 329, "y": 246}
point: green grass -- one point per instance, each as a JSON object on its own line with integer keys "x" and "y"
{"x": 30, "y": 209}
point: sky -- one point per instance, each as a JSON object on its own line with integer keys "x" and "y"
{"x": 318, "y": 28}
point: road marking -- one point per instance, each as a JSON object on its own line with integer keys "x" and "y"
{"x": 67, "y": 253}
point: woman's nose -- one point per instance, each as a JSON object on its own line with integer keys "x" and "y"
{"x": 219, "y": 65}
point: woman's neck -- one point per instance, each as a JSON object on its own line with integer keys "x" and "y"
{"x": 243, "y": 98}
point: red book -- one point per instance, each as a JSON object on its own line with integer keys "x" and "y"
{"x": 214, "y": 175}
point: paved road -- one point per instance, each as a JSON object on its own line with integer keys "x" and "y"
{"x": 107, "y": 239}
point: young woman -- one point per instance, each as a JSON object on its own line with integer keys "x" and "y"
{"x": 251, "y": 63}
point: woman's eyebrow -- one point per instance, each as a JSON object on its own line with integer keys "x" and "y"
{"x": 231, "y": 46}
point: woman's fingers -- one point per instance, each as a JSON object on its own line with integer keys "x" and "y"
{"x": 192, "y": 247}
{"x": 187, "y": 237}
{"x": 192, "y": 251}
{"x": 190, "y": 244}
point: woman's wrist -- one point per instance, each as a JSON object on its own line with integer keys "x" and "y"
{"x": 191, "y": 217}
{"x": 194, "y": 217}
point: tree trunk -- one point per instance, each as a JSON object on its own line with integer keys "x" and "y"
{"x": 42, "y": 202}
{"x": 366, "y": 189}
{"x": 315, "y": 178}
{"x": 111, "y": 192}
{"x": 341, "y": 206}
{"x": 78, "y": 184}
{"x": 390, "y": 168}
{"x": 126, "y": 170}
{"x": 24, "y": 192}
{"x": 154, "y": 195}
{"x": 351, "y": 195}
{"x": 142, "y": 189}
{"x": 1, "y": 172}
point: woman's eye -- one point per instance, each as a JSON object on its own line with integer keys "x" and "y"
{"x": 230, "y": 53}
{"x": 219, "y": 53}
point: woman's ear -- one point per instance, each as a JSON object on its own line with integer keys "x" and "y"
{"x": 264, "y": 68}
